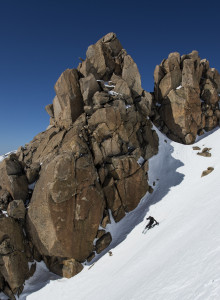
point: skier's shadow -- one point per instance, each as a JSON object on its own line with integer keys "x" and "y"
{"x": 166, "y": 171}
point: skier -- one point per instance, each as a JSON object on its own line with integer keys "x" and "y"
{"x": 151, "y": 223}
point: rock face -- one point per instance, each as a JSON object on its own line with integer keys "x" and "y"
{"x": 92, "y": 161}
{"x": 186, "y": 96}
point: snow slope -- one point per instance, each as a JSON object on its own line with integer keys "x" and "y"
{"x": 180, "y": 258}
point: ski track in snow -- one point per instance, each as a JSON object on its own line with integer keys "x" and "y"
{"x": 179, "y": 259}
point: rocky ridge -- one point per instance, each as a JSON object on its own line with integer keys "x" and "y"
{"x": 92, "y": 162}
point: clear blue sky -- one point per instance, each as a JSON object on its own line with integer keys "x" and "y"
{"x": 40, "y": 39}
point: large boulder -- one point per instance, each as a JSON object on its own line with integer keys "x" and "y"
{"x": 209, "y": 92}
{"x": 13, "y": 178}
{"x": 32, "y": 172}
{"x": 68, "y": 103}
{"x": 132, "y": 76}
{"x": 66, "y": 207}
{"x": 89, "y": 86}
{"x": 123, "y": 89}
{"x": 169, "y": 82}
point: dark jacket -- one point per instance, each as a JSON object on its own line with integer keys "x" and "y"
{"x": 151, "y": 221}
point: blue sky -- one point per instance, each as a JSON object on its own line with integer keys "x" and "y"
{"x": 40, "y": 39}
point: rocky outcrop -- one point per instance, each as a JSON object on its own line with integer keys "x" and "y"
{"x": 92, "y": 166}
{"x": 91, "y": 163}
{"x": 186, "y": 96}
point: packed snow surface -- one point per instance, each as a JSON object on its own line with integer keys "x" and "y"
{"x": 180, "y": 258}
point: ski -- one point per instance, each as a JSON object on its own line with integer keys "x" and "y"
{"x": 146, "y": 229}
